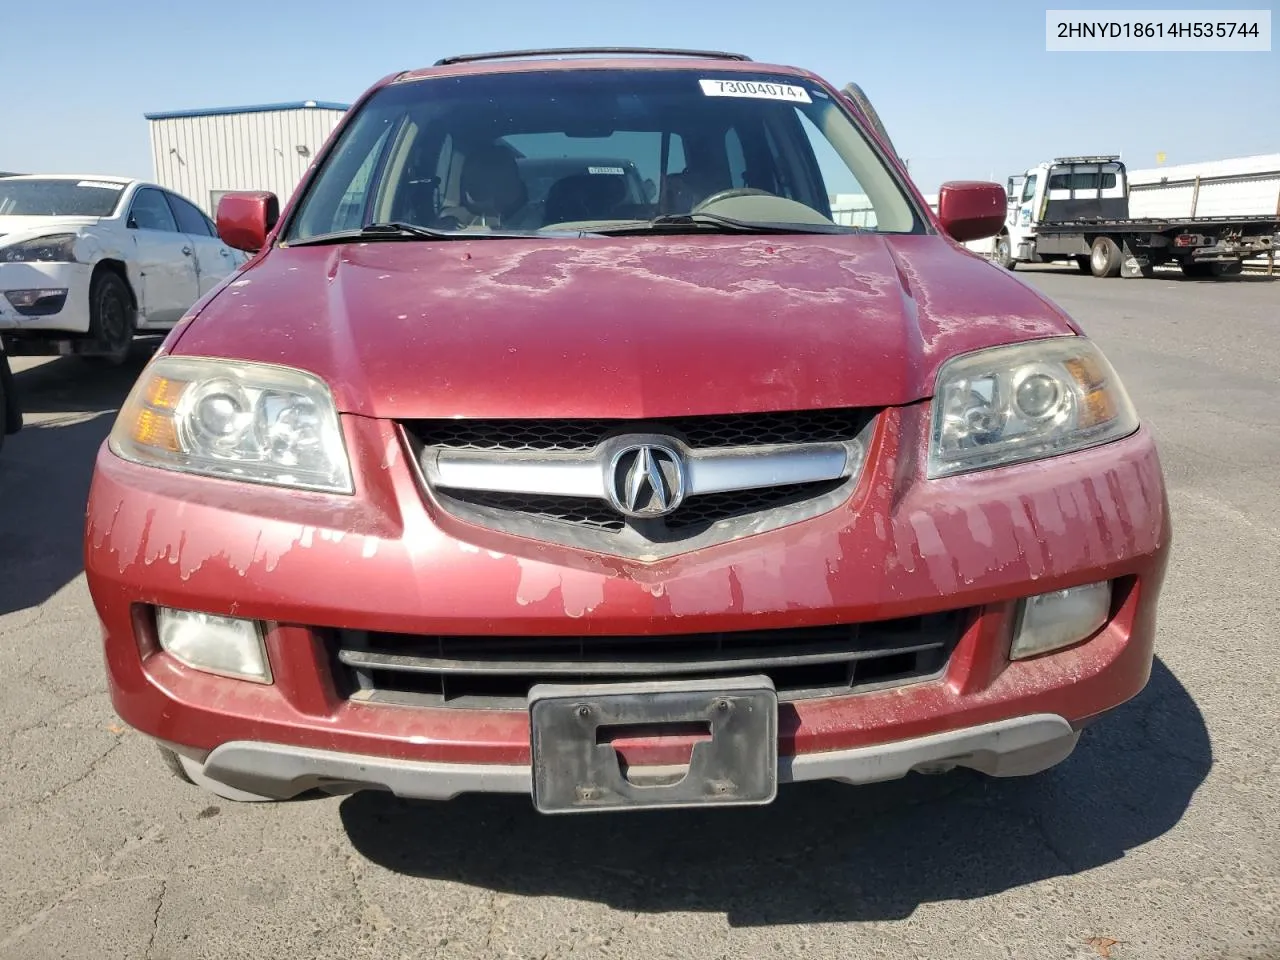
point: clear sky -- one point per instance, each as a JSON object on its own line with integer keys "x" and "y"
{"x": 965, "y": 87}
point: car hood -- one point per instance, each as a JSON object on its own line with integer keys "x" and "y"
{"x": 619, "y": 327}
{"x": 13, "y": 229}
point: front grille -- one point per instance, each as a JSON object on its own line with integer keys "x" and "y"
{"x": 694, "y": 515}
{"x": 592, "y": 524}
{"x": 566, "y": 436}
{"x": 698, "y": 513}
{"x": 496, "y": 672}
{"x": 576, "y": 510}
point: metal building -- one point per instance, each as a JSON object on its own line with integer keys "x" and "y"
{"x": 202, "y": 154}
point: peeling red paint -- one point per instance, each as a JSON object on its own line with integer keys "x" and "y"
{"x": 973, "y": 541}
{"x": 868, "y": 319}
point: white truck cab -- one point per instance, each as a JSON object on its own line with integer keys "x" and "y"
{"x": 1065, "y": 189}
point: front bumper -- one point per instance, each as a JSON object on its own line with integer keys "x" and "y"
{"x": 73, "y": 317}
{"x": 387, "y": 559}
{"x": 1019, "y": 746}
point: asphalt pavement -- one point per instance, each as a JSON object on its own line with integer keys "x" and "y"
{"x": 1157, "y": 839}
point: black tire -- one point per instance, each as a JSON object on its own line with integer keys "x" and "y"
{"x": 1104, "y": 260}
{"x": 1196, "y": 271}
{"x": 1082, "y": 263}
{"x": 173, "y": 763}
{"x": 1003, "y": 253}
{"x": 112, "y": 318}
{"x": 4, "y": 410}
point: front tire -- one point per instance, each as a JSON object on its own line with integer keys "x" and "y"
{"x": 1004, "y": 252}
{"x": 1104, "y": 259}
{"x": 112, "y": 318}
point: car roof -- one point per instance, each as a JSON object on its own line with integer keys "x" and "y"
{"x": 583, "y": 59}
{"x": 96, "y": 177}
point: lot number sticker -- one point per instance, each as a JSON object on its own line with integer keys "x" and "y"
{"x": 755, "y": 88}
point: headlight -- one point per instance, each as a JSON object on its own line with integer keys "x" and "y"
{"x": 240, "y": 421}
{"x": 1024, "y": 402}
{"x": 55, "y": 247}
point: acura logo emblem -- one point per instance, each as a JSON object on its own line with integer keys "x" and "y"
{"x": 645, "y": 480}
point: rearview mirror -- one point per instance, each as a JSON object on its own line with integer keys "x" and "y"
{"x": 972, "y": 209}
{"x": 246, "y": 218}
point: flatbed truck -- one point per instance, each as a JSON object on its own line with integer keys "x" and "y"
{"x": 1076, "y": 209}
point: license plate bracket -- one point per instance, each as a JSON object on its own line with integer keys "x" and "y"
{"x": 573, "y": 772}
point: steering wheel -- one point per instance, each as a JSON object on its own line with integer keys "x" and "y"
{"x": 730, "y": 194}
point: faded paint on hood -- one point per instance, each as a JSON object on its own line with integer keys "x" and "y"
{"x": 619, "y": 327}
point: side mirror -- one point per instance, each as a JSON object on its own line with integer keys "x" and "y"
{"x": 972, "y": 209}
{"x": 131, "y": 223}
{"x": 245, "y": 219}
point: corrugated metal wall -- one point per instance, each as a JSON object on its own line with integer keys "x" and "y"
{"x": 202, "y": 156}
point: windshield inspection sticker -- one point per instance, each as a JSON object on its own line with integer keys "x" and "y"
{"x": 99, "y": 184}
{"x": 755, "y": 88}
{"x": 614, "y": 171}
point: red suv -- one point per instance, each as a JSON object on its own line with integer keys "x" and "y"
{"x": 662, "y": 492}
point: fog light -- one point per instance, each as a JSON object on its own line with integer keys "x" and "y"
{"x": 37, "y": 303}
{"x": 1050, "y": 621}
{"x": 222, "y": 645}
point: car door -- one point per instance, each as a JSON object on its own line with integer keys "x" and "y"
{"x": 166, "y": 261}
{"x": 214, "y": 259}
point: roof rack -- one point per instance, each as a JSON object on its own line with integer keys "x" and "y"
{"x": 1100, "y": 159}
{"x": 573, "y": 51}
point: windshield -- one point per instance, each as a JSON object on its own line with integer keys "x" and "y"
{"x": 599, "y": 150}
{"x": 58, "y": 198}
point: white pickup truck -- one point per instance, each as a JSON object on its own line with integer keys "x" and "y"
{"x": 87, "y": 262}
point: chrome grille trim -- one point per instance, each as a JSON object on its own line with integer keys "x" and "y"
{"x": 578, "y": 475}
{"x": 554, "y": 480}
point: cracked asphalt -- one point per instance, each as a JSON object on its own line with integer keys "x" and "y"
{"x": 1159, "y": 833}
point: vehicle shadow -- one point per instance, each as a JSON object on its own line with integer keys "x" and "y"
{"x": 822, "y": 852}
{"x": 68, "y": 407}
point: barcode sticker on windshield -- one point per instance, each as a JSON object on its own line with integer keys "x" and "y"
{"x": 755, "y": 88}
{"x": 615, "y": 171}
{"x": 99, "y": 184}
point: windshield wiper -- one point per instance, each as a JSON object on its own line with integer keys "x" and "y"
{"x": 399, "y": 230}
{"x": 704, "y": 221}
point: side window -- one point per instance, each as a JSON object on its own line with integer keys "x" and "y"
{"x": 448, "y": 173}
{"x": 833, "y": 174}
{"x": 1029, "y": 188}
{"x": 151, "y": 212}
{"x": 350, "y": 212}
{"x": 190, "y": 220}
{"x": 736, "y": 158}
